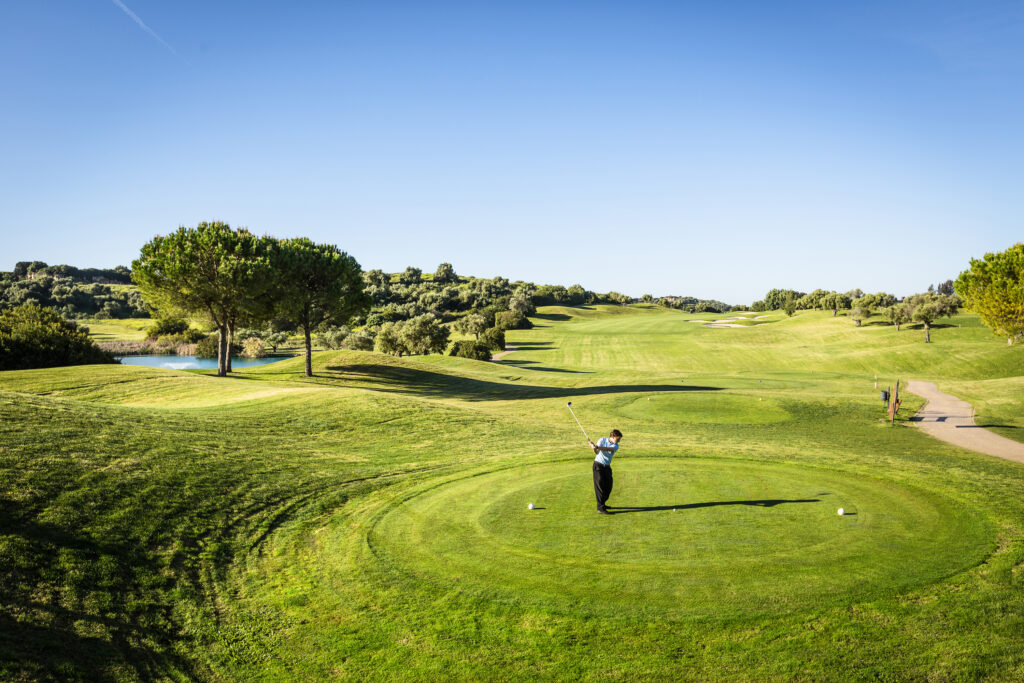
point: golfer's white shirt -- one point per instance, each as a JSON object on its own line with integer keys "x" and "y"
{"x": 603, "y": 457}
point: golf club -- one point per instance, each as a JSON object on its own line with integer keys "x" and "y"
{"x": 569, "y": 406}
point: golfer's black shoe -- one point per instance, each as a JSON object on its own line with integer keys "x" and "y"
{"x": 602, "y": 511}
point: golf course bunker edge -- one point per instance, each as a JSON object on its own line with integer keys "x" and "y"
{"x": 687, "y": 537}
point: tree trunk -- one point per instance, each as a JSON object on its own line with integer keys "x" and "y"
{"x": 835, "y": 312}
{"x": 858, "y": 322}
{"x": 927, "y": 333}
{"x": 309, "y": 352}
{"x": 897, "y": 327}
{"x": 231, "y": 339}
{"x": 222, "y": 337}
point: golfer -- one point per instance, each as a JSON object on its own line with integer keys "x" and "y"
{"x": 604, "y": 449}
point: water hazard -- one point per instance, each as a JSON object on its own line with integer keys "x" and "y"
{"x": 195, "y": 362}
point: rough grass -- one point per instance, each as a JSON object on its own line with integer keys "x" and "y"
{"x": 370, "y": 522}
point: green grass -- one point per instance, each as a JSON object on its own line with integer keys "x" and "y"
{"x": 118, "y": 329}
{"x": 371, "y": 522}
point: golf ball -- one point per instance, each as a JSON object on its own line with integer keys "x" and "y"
{"x": 841, "y": 512}
{"x": 531, "y": 507}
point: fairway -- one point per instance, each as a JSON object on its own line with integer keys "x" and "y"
{"x": 371, "y": 522}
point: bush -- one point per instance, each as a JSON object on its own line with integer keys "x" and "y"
{"x": 361, "y": 340}
{"x": 334, "y": 337}
{"x": 512, "y": 320}
{"x": 207, "y": 347}
{"x": 36, "y": 337}
{"x": 275, "y": 339}
{"x": 164, "y": 327}
{"x": 390, "y": 340}
{"x": 252, "y": 347}
{"x": 189, "y": 336}
{"x": 424, "y": 334}
{"x": 470, "y": 349}
{"x": 493, "y": 339}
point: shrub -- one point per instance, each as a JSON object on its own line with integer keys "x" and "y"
{"x": 424, "y": 334}
{"x": 361, "y": 340}
{"x": 390, "y": 340}
{"x": 252, "y": 347}
{"x": 164, "y": 327}
{"x": 493, "y": 339}
{"x": 512, "y": 320}
{"x": 246, "y": 332}
{"x": 468, "y": 348}
{"x": 36, "y": 337}
{"x": 207, "y": 347}
{"x": 189, "y": 336}
{"x": 334, "y": 337}
{"x": 275, "y": 339}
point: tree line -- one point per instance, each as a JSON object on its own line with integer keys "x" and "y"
{"x": 72, "y": 298}
{"x": 925, "y": 308}
{"x": 108, "y": 276}
{"x": 992, "y": 287}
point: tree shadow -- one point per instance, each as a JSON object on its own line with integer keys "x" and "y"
{"x": 405, "y": 380}
{"x": 559, "y": 317}
{"x": 693, "y": 506}
{"x": 48, "y": 596}
{"x": 532, "y": 365}
{"x": 537, "y": 345}
{"x": 986, "y": 426}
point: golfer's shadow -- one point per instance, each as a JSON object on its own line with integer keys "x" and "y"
{"x": 692, "y": 506}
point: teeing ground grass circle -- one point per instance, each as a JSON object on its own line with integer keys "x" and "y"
{"x": 688, "y": 537}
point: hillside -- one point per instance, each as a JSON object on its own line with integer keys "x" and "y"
{"x": 371, "y": 522}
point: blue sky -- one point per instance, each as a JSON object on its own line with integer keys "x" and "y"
{"x": 715, "y": 149}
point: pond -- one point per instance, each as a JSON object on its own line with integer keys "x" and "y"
{"x": 195, "y": 362}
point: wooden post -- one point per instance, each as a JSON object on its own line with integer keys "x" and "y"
{"x": 895, "y": 404}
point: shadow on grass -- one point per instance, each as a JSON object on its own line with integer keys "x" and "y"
{"x": 403, "y": 380}
{"x": 693, "y": 506}
{"x": 986, "y": 426}
{"x": 48, "y": 599}
{"x": 534, "y": 346}
{"x": 532, "y": 365}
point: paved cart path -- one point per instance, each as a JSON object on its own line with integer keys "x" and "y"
{"x": 948, "y": 418}
{"x": 508, "y": 350}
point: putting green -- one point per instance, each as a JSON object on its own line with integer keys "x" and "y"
{"x": 688, "y": 537}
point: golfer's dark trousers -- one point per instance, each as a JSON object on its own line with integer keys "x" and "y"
{"x": 602, "y": 483}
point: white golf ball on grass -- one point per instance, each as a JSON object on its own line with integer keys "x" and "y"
{"x": 841, "y": 512}
{"x": 530, "y": 506}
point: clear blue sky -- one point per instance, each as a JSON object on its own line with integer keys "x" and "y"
{"x": 715, "y": 149}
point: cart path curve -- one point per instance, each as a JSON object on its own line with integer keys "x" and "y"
{"x": 508, "y": 350}
{"x": 948, "y": 418}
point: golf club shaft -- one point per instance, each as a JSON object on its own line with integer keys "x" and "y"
{"x": 578, "y": 421}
